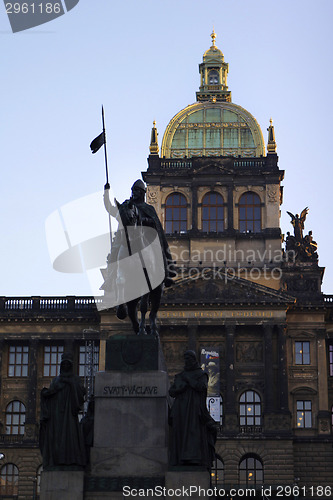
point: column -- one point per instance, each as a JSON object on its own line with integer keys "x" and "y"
{"x": 32, "y": 383}
{"x": 283, "y": 373}
{"x": 1, "y": 360}
{"x": 194, "y": 208}
{"x": 230, "y": 203}
{"x": 230, "y": 370}
{"x": 30, "y": 428}
{"x": 268, "y": 332}
{"x": 324, "y": 414}
{"x": 192, "y": 330}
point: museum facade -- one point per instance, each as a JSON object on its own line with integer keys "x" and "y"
{"x": 246, "y": 299}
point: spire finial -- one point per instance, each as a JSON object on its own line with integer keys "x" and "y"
{"x": 213, "y": 35}
{"x": 153, "y": 148}
{"x": 271, "y": 145}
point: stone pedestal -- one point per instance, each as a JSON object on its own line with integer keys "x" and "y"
{"x": 62, "y": 484}
{"x": 191, "y": 481}
{"x": 130, "y": 424}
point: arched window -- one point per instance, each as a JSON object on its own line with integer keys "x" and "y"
{"x": 213, "y": 77}
{"x": 251, "y": 471}
{"x": 212, "y": 212}
{"x": 250, "y": 409}
{"x": 249, "y": 213}
{"x": 217, "y": 472}
{"x": 175, "y": 213}
{"x": 9, "y": 480}
{"x": 15, "y": 418}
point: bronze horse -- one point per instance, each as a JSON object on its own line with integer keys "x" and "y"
{"x": 130, "y": 218}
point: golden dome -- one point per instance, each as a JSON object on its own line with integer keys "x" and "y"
{"x": 209, "y": 128}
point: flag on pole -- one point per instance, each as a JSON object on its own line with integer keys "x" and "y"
{"x": 97, "y": 143}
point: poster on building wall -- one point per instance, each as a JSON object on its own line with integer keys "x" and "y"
{"x": 210, "y": 363}
{"x": 214, "y": 408}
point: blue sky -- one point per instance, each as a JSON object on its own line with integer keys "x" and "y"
{"x": 140, "y": 59}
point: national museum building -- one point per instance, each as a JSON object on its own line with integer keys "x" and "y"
{"x": 246, "y": 299}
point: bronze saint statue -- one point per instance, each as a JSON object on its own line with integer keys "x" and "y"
{"x": 193, "y": 431}
{"x": 61, "y": 442}
{"x": 136, "y": 212}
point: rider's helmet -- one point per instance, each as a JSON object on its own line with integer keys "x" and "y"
{"x": 139, "y": 184}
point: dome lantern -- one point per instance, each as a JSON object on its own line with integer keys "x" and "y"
{"x": 213, "y": 75}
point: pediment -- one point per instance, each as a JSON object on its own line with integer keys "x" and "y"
{"x": 214, "y": 166}
{"x": 213, "y": 169}
{"x": 304, "y": 390}
{"x": 212, "y": 287}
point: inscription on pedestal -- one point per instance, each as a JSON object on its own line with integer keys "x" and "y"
{"x": 130, "y": 390}
{"x": 130, "y": 385}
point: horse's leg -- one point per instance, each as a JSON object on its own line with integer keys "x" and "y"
{"x": 143, "y": 310}
{"x": 155, "y": 301}
{"x": 133, "y": 315}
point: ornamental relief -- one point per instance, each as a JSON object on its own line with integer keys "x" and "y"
{"x": 272, "y": 194}
{"x": 324, "y": 425}
{"x": 249, "y": 352}
{"x": 152, "y": 196}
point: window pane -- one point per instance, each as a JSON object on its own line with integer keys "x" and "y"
{"x": 220, "y": 212}
{"x": 168, "y": 213}
{"x": 308, "y": 419}
{"x": 249, "y": 214}
{"x": 257, "y": 213}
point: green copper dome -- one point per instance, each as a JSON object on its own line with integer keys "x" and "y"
{"x": 212, "y": 129}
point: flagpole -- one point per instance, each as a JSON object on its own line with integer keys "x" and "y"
{"x": 106, "y": 169}
{"x": 105, "y": 152}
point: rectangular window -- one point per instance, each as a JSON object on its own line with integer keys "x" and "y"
{"x": 304, "y": 414}
{"x": 87, "y": 355}
{"x": 52, "y": 360}
{"x": 302, "y": 353}
{"x": 18, "y": 361}
{"x": 331, "y": 359}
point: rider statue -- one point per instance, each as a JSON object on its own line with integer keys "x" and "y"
{"x": 147, "y": 217}
{"x": 136, "y": 211}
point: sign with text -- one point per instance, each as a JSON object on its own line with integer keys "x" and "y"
{"x": 210, "y": 363}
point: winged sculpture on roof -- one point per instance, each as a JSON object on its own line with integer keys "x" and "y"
{"x": 297, "y": 222}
